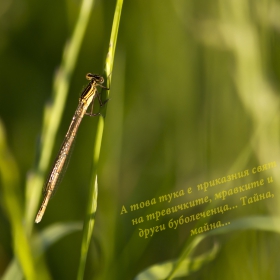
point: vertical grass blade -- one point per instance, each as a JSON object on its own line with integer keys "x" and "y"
{"x": 113, "y": 41}
{"x": 54, "y": 112}
{"x": 42, "y": 242}
{"x": 92, "y": 203}
{"x": 10, "y": 191}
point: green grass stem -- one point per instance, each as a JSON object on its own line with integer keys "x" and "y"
{"x": 92, "y": 203}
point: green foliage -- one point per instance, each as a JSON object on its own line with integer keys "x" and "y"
{"x": 184, "y": 268}
{"x": 194, "y": 96}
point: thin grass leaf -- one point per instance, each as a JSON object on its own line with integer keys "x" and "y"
{"x": 13, "y": 207}
{"x": 92, "y": 203}
{"x": 87, "y": 230}
{"x": 186, "y": 267}
{"x": 248, "y": 223}
{"x": 43, "y": 241}
{"x": 54, "y": 112}
{"x": 53, "y": 233}
{"x": 113, "y": 42}
{"x": 13, "y": 272}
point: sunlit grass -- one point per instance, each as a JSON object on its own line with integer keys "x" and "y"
{"x": 199, "y": 99}
{"x": 14, "y": 207}
{"x": 52, "y": 118}
{"x": 92, "y": 202}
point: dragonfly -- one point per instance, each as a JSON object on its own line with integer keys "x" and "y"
{"x": 86, "y": 99}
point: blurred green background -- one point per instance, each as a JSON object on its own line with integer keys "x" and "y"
{"x": 194, "y": 97}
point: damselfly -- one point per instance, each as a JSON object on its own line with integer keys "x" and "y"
{"x": 87, "y": 98}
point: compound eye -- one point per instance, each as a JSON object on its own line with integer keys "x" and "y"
{"x": 96, "y": 78}
{"x": 90, "y": 76}
{"x": 101, "y": 80}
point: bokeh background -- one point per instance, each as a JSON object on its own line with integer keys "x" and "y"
{"x": 194, "y": 97}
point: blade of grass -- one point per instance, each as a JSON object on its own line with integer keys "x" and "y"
{"x": 249, "y": 223}
{"x": 53, "y": 233}
{"x": 88, "y": 228}
{"x": 14, "y": 206}
{"x": 92, "y": 203}
{"x": 43, "y": 241}
{"x": 54, "y": 112}
{"x": 187, "y": 266}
